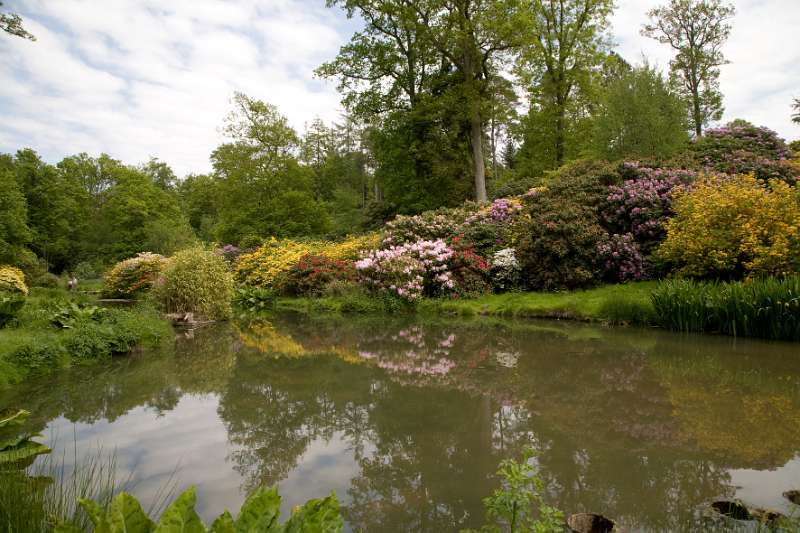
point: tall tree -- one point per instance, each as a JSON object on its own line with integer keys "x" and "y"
{"x": 474, "y": 36}
{"x": 696, "y": 30}
{"x": 639, "y": 116}
{"x": 12, "y": 23}
{"x": 566, "y": 44}
{"x": 796, "y": 107}
{"x": 14, "y": 232}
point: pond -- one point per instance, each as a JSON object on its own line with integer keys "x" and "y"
{"x": 407, "y": 419}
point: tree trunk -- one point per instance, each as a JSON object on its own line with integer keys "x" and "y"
{"x": 560, "y": 136}
{"x": 477, "y": 158}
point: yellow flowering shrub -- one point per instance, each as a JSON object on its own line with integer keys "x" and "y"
{"x": 731, "y": 227}
{"x": 12, "y": 280}
{"x": 261, "y": 267}
{"x": 133, "y": 276}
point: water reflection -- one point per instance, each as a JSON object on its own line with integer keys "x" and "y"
{"x": 407, "y": 421}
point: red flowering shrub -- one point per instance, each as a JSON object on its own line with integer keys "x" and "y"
{"x": 470, "y": 272}
{"x": 312, "y": 274}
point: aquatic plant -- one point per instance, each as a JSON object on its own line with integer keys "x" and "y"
{"x": 767, "y": 308}
{"x": 260, "y": 512}
{"x": 519, "y": 506}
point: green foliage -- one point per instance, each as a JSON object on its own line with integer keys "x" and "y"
{"x": 71, "y": 313}
{"x": 259, "y": 513}
{"x": 10, "y": 307}
{"x": 557, "y": 67}
{"x": 14, "y": 232}
{"x": 559, "y": 248}
{"x": 519, "y": 506}
{"x": 254, "y": 299}
{"x": 639, "y": 116}
{"x": 768, "y": 308}
{"x": 16, "y": 451}
{"x": 134, "y": 276}
{"x": 696, "y": 30}
{"x": 11, "y": 23}
{"x": 196, "y": 281}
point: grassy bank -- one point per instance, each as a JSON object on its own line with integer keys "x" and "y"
{"x": 616, "y": 304}
{"x": 56, "y": 329}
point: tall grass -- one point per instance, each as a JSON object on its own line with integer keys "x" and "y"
{"x": 47, "y": 495}
{"x": 767, "y": 308}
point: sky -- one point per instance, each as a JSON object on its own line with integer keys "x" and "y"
{"x": 153, "y": 78}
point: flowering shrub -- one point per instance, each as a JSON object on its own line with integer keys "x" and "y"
{"x": 470, "y": 272}
{"x": 505, "y": 269}
{"x": 742, "y": 148}
{"x": 641, "y": 205}
{"x": 429, "y": 226}
{"x": 498, "y": 211}
{"x": 410, "y": 270}
{"x": 230, "y": 253}
{"x": 12, "y": 293}
{"x": 559, "y": 246}
{"x": 731, "y": 227}
{"x": 261, "y": 267}
{"x": 133, "y": 276}
{"x": 623, "y": 258}
{"x": 312, "y": 275}
{"x": 196, "y": 281}
{"x": 12, "y": 280}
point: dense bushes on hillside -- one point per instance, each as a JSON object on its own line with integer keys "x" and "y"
{"x": 734, "y": 227}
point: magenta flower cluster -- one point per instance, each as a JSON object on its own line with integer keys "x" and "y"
{"x": 501, "y": 210}
{"x": 622, "y": 256}
{"x": 642, "y": 205}
{"x": 409, "y": 270}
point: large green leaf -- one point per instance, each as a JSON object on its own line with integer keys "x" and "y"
{"x": 260, "y": 512}
{"x": 223, "y": 524}
{"x": 127, "y": 516}
{"x": 180, "y": 517}
{"x": 316, "y": 516}
{"x": 96, "y": 514}
{"x": 24, "y": 449}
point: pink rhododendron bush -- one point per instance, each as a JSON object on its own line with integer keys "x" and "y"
{"x": 410, "y": 270}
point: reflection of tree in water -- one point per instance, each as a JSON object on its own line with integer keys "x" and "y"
{"x": 629, "y": 424}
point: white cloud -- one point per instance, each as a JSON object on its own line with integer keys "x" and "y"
{"x": 141, "y": 78}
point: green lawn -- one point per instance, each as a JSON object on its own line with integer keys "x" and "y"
{"x": 617, "y": 304}
{"x": 627, "y": 303}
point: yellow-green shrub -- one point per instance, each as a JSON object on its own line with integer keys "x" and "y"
{"x": 195, "y": 281}
{"x": 261, "y": 267}
{"x": 731, "y": 227}
{"x": 133, "y": 275}
{"x": 12, "y": 280}
{"x": 12, "y": 293}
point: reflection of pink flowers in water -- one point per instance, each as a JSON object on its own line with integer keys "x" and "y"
{"x": 448, "y": 342}
{"x": 367, "y": 355}
{"x": 436, "y": 368}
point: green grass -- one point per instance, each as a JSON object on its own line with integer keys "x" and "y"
{"x": 617, "y": 304}
{"x": 768, "y": 308}
{"x": 34, "y": 345}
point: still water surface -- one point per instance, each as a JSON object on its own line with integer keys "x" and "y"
{"x": 407, "y": 420}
